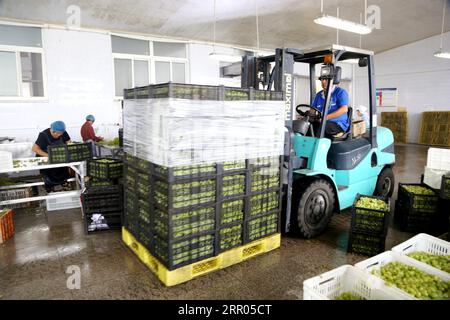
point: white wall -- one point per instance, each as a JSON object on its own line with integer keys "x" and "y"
{"x": 423, "y": 81}
{"x": 79, "y": 82}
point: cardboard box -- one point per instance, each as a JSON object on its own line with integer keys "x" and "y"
{"x": 359, "y": 128}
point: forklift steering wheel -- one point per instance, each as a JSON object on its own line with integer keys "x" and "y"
{"x": 303, "y": 114}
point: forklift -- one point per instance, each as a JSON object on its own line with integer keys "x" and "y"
{"x": 324, "y": 175}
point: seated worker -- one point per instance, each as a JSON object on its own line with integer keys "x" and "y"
{"x": 55, "y": 135}
{"x": 337, "y": 118}
{"x": 88, "y": 134}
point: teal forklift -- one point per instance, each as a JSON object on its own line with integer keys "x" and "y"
{"x": 323, "y": 174}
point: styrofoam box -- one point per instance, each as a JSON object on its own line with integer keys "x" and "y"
{"x": 425, "y": 243}
{"x": 433, "y": 177}
{"x": 62, "y": 203}
{"x": 386, "y": 257}
{"x": 6, "y": 160}
{"x": 438, "y": 159}
{"x": 347, "y": 278}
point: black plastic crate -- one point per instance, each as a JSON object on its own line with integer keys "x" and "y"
{"x": 230, "y": 236}
{"x": 370, "y": 220}
{"x": 92, "y": 182}
{"x": 102, "y": 199}
{"x": 101, "y": 221}
{"x": 176, "y": 195}
{"x": 417, "y": 202}
{"x": 232, "y": 185}
{"x": 264, "y": 202}
{"x": 199, "y": 92}
{"x": 185, "y": 172}
{"x": 416, "y": 213}
{"x": 232, "y": 211}
{"x": 445, "y": 187}
{"x": 69, "y": 152}
{"x": 175, "y": 254}
{"x": 262, "y": 226}
{"x": 105, "y": 168}
{"x": 366, "y": 243}
{"x": 184, "y": 223}
{"x": 138, "y": 181}
{"x": 265, "y": 178}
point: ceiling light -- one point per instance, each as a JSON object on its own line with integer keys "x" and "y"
{"x": 346, "y": 25}
{"x": 442, "y": 54}
{"x": 225, "y": 57}
{"x": 351, "y": 61}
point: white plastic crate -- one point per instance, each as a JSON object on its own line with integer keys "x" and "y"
{"x": 425, "y": 243}
{"x": 438, "y": 159}
{"x": 62, "y": 203}
{"x": 386, "y": 257}
{"x": 433, "y": 177}
{"x": 347, "y": 278}
{"x": 6, "y": 160}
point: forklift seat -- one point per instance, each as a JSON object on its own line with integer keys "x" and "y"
{"x": 346, "y": 135}
{"x": 346, "y": 155}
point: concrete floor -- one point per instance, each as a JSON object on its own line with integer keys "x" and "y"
{"x": 33, "y": 264}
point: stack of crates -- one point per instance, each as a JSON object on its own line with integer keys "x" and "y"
{"x": 397, "y": 122}
{"x": 189, "y": 213}
{"x": 6, "y": 225}
{"x": 65, "y": 153}
{"x": 103, "y": 198}
{"x": 369, "y": 225}
{"x": 16, "y": 194}
{"x": 435, "y": 129}
{"x": 416, "y": 208}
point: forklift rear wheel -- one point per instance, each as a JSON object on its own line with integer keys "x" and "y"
{"x": 385, "y": 183}
{"x": 315, "y": 207}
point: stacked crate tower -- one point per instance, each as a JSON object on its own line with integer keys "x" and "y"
{"x": 202, "y": 169}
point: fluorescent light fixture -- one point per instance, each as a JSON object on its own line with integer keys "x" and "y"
{"x": 442, "y": 54}
{"x": 333, "y": 22}
{"x": 350, "y": 61}
{"x": 225, "y": 57}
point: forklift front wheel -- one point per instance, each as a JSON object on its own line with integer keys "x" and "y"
{"x": 315, "y": 207}
{"x": 385, "y": 183}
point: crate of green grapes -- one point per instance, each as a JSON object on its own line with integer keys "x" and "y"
{"x": 105, "y": 168}
{"x": 182, "y": 194}
{"x": 233, "y": 185}
{"x": 264, "y": 202}
{"x": 445, "y": 187}
{"x": 175, "y": 254}
{"x": 265, "y": 178}
{"x": 416, "y": 208}
{"x": 185, "y": 223}
{"x": 171, "y": 174}
{"x": 365, "y": 243}
{"x": 406, "y": 275}
{"x": 231, "y": 236}
{"x": 73, "y": 152}
{"x": 370, "y": 214}
{"x": 262, "y": 226}
{"x": 232, "y": 211}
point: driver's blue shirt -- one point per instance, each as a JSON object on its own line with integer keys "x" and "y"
{"x": 339, "y": 98}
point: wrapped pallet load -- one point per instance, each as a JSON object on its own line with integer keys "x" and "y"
{"x": 202, "y": 170}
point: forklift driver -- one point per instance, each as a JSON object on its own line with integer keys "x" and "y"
{"x": 337, "y": 118}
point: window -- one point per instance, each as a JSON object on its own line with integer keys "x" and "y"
{"x": 139, "y": 62}
{"x": 21, "y": 59}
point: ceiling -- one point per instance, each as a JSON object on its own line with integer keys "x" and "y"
{"x": 282, "y": 23}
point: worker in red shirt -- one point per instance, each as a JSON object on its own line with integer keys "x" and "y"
{"x": 88, "y": 134}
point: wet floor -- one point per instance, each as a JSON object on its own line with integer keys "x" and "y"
{"x": 33, "y": 264}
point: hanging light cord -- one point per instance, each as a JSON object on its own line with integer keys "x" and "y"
{"x": 443, "y": 22}
{"x": 257, "y": 25}
{"x": 214, "y": 28}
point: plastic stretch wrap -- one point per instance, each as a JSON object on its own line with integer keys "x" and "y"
{"x": 176, "y": 132}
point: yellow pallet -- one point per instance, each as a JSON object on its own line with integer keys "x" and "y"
{"x": 186, "y": 273}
